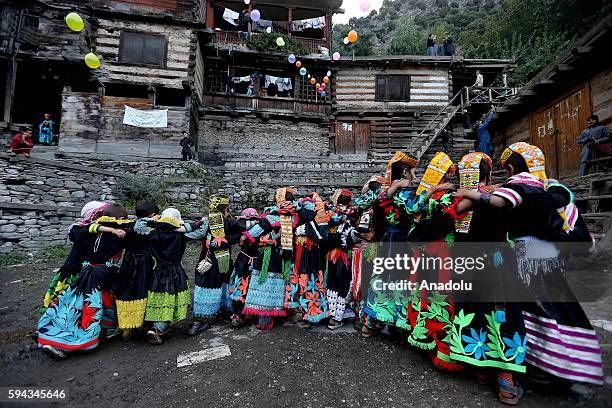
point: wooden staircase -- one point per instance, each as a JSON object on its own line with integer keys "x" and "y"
{"x": 393, "y": 134}
{"x": 594, "y": 200}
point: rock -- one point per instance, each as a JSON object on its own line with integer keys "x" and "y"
{"x": 78, "y": 194}
{"x": 8, "y": 228}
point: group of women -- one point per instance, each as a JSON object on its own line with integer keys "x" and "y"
{"x": 306, "y": 259}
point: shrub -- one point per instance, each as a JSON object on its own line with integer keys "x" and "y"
{"x": 266, "y": 42}
{"x": 131, "y": 188}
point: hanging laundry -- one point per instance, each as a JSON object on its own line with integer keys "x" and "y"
{"x": 261, "y": 25}
{"x": 238, "y": 80}
{"x": 231, "y": 16}
{"x": 283, "y": 84}
{"x": 314, "y": 23}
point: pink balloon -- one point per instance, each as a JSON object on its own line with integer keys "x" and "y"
{"x": 364, "y": 5}
{"x": 336, "y": 56}
{"x": 323, "y": 86}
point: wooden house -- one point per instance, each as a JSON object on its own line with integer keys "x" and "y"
{"x": 147, "y": 52}
{"x": 552, "y": 109}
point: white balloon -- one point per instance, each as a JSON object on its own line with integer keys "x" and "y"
{"x": 247, "y": 1}
{"x": 268, "y": 29}
{"x": 345, "y": 41}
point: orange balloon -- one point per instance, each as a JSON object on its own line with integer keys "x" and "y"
{"x": 326, "y": 79}
{"x": 298, "y": 64}
{"x": 318, "y": 85}
{"x": 313, "y": 81}
{"x": 352, "y": 36}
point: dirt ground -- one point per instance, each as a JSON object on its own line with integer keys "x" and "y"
{"x": 289, "y": 366}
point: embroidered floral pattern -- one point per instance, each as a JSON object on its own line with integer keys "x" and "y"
{"x": 486, "y": 347}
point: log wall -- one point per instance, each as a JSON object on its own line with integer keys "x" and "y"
{"x": 181, "y": 8}
{"x": 181, "y": 45}
{"x": 94, "y": 124}
{"x": 601, "y": 96}
{"x": 356, "y": 88}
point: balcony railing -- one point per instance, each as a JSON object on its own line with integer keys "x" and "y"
{"x": 236, "y": 37}
{"x": 266, "y": 104}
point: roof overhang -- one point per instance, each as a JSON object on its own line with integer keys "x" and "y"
{"x": 587, "y": 57}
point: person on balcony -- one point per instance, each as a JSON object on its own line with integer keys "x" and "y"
{"x": 431, "y": 45}
{"x": 448, "y": 45}
{"x": 484, "y": 137}
{"x": 595, "y": 133}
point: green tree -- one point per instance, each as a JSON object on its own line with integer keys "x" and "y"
{"x": 408, "y": 40}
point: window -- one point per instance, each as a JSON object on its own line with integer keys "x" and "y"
{"x": 393, "y": 88}
{"x": 170, "y": 97}
{"x": 145, "y": 49}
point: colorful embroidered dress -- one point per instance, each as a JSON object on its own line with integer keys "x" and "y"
{"x": 342, "y": 238}
{"x": 306, "y": 288}
{"x": 132, "y": 284}
{"x": 400, "y": 213}
{"x": 365, "y": 251}
{"x": 211, "y": 294}
{"x": 486, "y": 333}
{"x": 243, "y": 266}
{"x": 266, "y": 294}
{"x": 74, "y": 321}
{"x": 168, "y": 292}
{"x": 430, "y": 313}
{"x": 560, "y": 339}
{"x": 68, "y": 272}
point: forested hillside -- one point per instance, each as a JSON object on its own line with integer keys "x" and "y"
{"x": 533, "y": 32}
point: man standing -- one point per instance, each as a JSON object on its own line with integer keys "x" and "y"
{"x": 595, "y": 133}
{"x": 45, "y": 130}
{"x": 484, "y": 137}
{"x": 479, "y": 83}
{"x": 431, "y": 45}
{"x": 449, "y": 45}
{"x": 186, "y": 143}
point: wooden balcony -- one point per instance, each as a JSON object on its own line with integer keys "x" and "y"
{"x": 235, "y": 37}
{"x": 266, "y": 104}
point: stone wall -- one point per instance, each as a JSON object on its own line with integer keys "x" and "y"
{"x": 40, "y": 198}
{"x": 224, "y": 136}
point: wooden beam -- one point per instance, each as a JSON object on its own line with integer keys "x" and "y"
{"x": 527, "y": 92}
{"x": 564, "y": 68}
{"x": 515, "y": 101}
{"x": 545, "y": 81}
{"x": 11, "y": 77}
{"x": 582, "y": 50}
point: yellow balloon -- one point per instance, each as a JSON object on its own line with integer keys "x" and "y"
{"x": 313, "y": 81}
{"x": 280, "y": 42}
{"x": 318, "y": 85}
{"x": 352, "y": 36}
{"x": 75, "y": 22}
{"x": 92, "y": 61}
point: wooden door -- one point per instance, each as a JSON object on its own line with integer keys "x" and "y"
{"x": 345, "y": 137}
{"x": 556, "y": 128}
{"x": 543, "y": 135}
{"x": 363, "y": 137}
{"x": 570, "y": 118}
